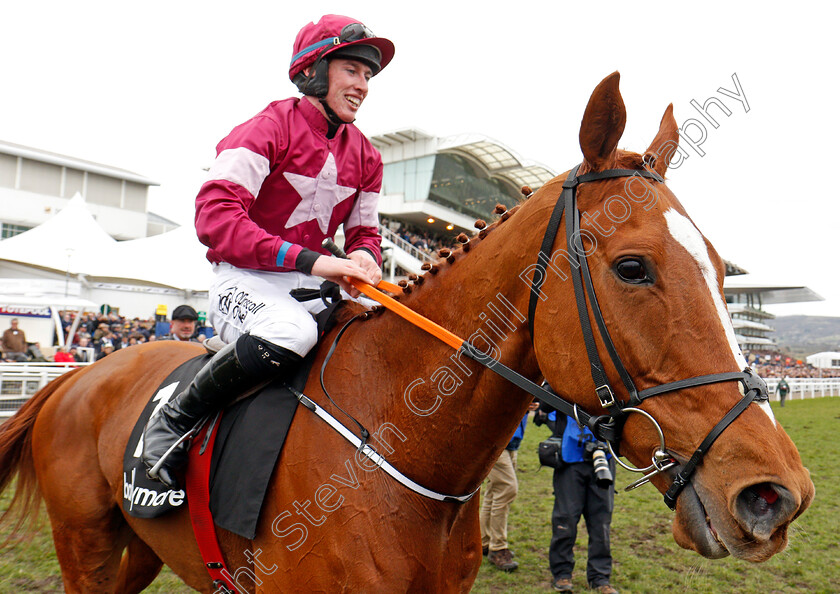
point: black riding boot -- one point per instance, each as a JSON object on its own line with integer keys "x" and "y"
{"x": 233, "y": 371}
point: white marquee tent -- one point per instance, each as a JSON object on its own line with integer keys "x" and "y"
{"x": 135, "y": 275}
{"x": 824, "y": 360}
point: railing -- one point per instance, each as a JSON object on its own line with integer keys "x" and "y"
{"x": 805, "y": 387}
{"x": 19, "y": 381}
{"x": 404, "y": 245}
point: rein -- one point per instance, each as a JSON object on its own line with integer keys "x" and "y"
{"x": 607, "y": 427}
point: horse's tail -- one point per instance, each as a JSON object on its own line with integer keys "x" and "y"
{"x": 16, "y": 459}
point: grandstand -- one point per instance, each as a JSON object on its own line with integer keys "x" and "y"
{"x": 433, "y": 189}
{"x": 746, "y": 298}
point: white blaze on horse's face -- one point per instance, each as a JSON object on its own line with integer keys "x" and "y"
{"x": 689, "y": 237}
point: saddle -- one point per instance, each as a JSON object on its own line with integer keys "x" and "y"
{"x": 244, "y": 453}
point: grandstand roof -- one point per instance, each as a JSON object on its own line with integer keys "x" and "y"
{"x": 496, "y": 158}
{"x": 399, "y": 137}
{"x": 769, "y": 293}
{"x": 161, "y": 220}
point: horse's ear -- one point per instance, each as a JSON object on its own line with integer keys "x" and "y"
{"x": 603, "y": 122}
{"x": 660, "y": 151}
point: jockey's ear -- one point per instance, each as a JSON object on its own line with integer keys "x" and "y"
{"x": 659, "y": 153}
{"x": 603, "y": 123}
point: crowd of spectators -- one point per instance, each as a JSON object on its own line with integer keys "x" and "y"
{"x": 422, "y": 239}
{"x": 779, "y": 365}
{"x": 98, "y": 335}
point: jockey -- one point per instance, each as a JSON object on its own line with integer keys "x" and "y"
{"x": 281, "y": 183}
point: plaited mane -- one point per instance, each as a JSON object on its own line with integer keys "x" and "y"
{"x": 449, "y": 256}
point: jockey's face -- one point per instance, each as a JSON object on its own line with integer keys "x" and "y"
{"x": 348, "y": 87}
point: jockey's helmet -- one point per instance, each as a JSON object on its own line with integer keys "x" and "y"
{"x": 331, "y": 37}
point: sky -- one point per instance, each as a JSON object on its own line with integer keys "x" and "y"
{"x": 152, "y": 87}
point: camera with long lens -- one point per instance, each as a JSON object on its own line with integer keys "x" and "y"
{"x": 597, "y": 453}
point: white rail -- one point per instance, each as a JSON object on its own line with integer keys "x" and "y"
{"x": 805, "y": 387}
{"x": 19, "y": 381}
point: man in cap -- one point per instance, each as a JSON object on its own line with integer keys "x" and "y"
{"x": 281, "y": 183}
{"x": 182, "y": 326}
{"x": 107, "y": 347}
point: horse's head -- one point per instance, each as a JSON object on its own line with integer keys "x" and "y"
{"x": 659, "y": 288}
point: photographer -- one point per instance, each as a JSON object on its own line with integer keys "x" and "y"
{"x": 582, "y": 485}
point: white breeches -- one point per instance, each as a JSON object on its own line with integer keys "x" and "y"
{"x": 258, "y": 302}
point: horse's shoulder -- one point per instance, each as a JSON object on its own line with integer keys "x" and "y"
{"x": 150, "y": 361}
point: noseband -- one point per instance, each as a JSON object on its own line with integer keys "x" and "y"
{"x": 608, "y": 427}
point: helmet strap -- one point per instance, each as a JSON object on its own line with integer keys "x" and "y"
{"x": 332, "y": 117}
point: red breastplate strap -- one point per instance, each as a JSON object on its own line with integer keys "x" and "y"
{"x": 198, "y": 500}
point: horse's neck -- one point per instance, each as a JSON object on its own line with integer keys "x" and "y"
{"x": 448, "y": 417}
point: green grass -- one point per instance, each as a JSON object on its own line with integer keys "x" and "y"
{"x": 646, "y": 559}
{"x": 30, "y": 565}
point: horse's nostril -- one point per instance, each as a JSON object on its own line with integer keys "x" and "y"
{"x": 763, "y": 507}
{"x": 766, "y": 493}
{"x": 759, "y": 499}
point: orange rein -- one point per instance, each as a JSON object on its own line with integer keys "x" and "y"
{"x": 392, "y": 304}
{"x": 401, "y": 310}
{"x": 386, "y": 286}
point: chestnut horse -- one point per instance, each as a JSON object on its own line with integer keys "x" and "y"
{"x": 332, "y": 521}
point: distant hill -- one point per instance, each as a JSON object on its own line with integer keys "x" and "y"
{"x": 806, "y": 335}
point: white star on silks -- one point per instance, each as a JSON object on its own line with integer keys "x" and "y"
{"x": 320, "y": 195}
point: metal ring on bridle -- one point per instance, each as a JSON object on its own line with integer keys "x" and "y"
{"x": 657, "y": 455}
{"x": 577, "y": 418}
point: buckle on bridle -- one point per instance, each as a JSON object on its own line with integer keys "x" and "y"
{"x": 605, "y": 395}
{"x": 752, "y": 381}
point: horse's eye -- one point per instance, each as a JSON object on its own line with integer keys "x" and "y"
{"x": 632, "y": 270}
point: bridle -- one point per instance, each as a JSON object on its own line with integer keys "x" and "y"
{"x": 608, "y": 427}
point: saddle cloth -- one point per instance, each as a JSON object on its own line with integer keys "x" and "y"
{"x": 248, "y": 443}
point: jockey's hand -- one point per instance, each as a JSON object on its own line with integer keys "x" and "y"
{"x": 368, "y": 264}
{"x": 338, "y": 270}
